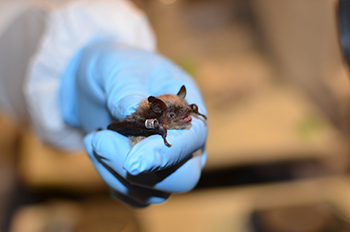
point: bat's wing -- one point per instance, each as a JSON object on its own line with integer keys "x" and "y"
{"x": 139, "y": 129}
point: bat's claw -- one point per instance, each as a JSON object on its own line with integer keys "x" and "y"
{"x": 166, "y": 142}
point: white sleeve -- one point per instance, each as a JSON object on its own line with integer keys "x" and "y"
{"x": 17, "y": 46}
{"x": 69, "y": 29}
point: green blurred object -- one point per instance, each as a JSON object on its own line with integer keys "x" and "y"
{"x": 189, "y": 65}
{"x": 309, "y": 128}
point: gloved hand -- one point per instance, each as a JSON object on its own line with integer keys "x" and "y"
{"x": 108, "y": 80}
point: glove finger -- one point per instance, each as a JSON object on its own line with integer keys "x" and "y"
{"x": 179, "y": 178}
{"x": 184, "y": 178}
{"x": 151, "y": 154}
{"x": 167, "y": 78}
{"x": 131, "y": 75}
{"x": 107, "y": 151}
{"x": 124, "y": 75}
{"x": 123, "y": 101}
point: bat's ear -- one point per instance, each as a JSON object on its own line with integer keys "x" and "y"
{"x": 157, "y": 105}
{"x": 182, "y": 92}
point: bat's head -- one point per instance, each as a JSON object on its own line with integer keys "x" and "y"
{"x": 172, "y": 110}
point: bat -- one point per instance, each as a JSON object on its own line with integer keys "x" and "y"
{"x": 155, "y": 115}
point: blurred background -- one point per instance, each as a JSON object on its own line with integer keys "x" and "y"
{"x": 277, "y": 91}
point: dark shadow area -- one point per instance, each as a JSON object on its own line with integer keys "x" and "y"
{"x": 323, "y": 217}
{"x": 262, "y": 173}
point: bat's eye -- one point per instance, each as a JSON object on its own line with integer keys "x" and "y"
{"x": 172, "y": 114}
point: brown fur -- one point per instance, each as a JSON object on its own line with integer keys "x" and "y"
{"x": 171, "y": 111}
{"x": 176, "y": 105}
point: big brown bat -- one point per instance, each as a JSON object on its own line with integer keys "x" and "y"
{"x": 155, "y": 115}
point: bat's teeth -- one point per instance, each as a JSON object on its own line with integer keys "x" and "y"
{"x": 187, "y": 119}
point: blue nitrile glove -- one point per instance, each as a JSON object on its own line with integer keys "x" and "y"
{"x": 109, "y": 80}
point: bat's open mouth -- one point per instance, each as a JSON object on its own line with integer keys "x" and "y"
{"x": 186, "y": 120}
